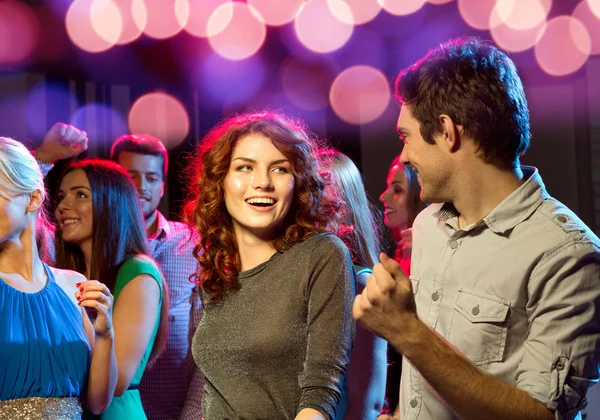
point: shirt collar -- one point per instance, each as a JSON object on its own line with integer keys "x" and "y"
{"x": 515, "y": 208}
{"x": 162, "y": 226}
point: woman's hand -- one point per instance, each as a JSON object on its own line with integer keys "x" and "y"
{"x": 95, "y": 295}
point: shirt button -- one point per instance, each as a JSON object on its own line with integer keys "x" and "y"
{"x": 435, "y": 296}
{"x": 560, "y": 365}
{"x": 475, "y": 311}
{"x": 453, "y": 244}
{"x": 414, "y": 402}
{"x": 562, "y": 218}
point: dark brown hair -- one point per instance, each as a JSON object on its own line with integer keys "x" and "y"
{"x": 118, "y": 232}
{"x": 143, "y": 144}
{"x": 309, "y": 213}
{"x": 477, "y": 85}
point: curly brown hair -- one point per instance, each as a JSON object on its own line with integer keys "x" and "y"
{"x": 310, "y": 212}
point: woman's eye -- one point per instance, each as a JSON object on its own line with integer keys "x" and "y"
{"x": 281, "y": 170}
{"x": 243, "y": 168}
{"x": 81, "y": 195}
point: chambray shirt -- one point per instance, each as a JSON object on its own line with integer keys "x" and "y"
{"x": 517, "y": 293}
{"x": 165, "y": 387}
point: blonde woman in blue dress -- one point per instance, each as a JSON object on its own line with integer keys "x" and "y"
{"x": 53, "y": 359}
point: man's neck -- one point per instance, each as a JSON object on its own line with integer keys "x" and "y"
{"x": 152, "y": 224}
{"x": 484, "y": 189}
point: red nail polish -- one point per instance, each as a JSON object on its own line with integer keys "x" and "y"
{"x": 77, "y": 284}
{"x": 81, "y": 289}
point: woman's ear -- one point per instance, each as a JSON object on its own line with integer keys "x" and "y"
{"x": 35, "y": 201}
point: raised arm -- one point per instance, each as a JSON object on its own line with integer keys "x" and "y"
{"x": 62, "y": 141}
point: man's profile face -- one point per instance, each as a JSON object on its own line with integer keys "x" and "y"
{"x": 428, "y": 160}
{"x": 147, "y": 174}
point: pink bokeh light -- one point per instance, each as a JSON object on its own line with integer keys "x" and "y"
{"x": 134, "y": 15}
{"x": 19, "y": 32}
{"x": 319, "y": 29}
{"x": 585, "y": 15}
{"x": 594, "y": 6}
{"x": 564, "y": 47}
{"x": 160, "y": 115}
{"x": 78, "y": 22}
{"x": 236, "y": 31}
{"x": 106, "y": 20}
{"x": 361, "y": 11}
{"x": 277, "y": 12}
{"x": 477, "y": 13}
{"x": 514, "y": 40}
{"x": 402, "y": 7}
{"x": 521, "y": 14}
{"x": 360, "y": 94}
{"x": 166, "y": 18}
{"x": 200, "y": 13}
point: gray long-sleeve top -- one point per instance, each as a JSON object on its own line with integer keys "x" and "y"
{"x": 280, "y": 343}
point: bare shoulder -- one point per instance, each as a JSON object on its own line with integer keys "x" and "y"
{"x": 66, "y": 280}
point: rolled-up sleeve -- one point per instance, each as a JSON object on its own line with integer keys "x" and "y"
{"x": 562, "y": 350}
{"x": 330, "y": 294}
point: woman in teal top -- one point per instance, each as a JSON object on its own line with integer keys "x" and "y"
{"x": 101, "y": 234}
{"x": 52, "y": 358}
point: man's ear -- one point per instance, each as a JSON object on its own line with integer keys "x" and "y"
{"x": 35, "y": 201}
{"x": 451, "y": 133}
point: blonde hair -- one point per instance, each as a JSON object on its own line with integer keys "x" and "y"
{"x": 359, "y": 228}
{"x": 19, "y": 171}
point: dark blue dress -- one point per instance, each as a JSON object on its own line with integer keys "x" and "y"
{"x": 44, "y": 350}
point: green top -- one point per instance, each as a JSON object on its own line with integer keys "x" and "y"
{"x": 129, "y": 405}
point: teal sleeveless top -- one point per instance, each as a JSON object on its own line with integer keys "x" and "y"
{"x": 129, "y": 405}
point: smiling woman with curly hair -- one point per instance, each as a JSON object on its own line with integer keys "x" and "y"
{"x": 278, "y": 288}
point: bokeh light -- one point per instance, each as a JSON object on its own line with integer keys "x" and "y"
{"x": 359, "y": 94}
{"x": 306, "y": 83}
{"x": 236, "y": 31}
{"x": 319, "y": 30}
{"x": 40, "y": 118}
{"x": 568, "y": 36}
{"x": 585, "y": 15}
{"x": 477, "y": 13}
{"x": 277, "y": 12}
{"x": 19, "y": 32}
{"x": 200, "y": 13}
{"x": 106, "y": 20}
{"x": 439, "y": 1}
{"x": 402, "y": 7}
{"x": 134, "y": 16}
{"x": 166, "y": 18}
{"x": 361, "y": 11}
{"x": 229, "y": 81}
{"x": 78, "y": 21}
{"x": 160, "y": 115}
{"x": 102, "y": 123}
{"x": 514, "y": 40}
{"x": 522, "y": 14}
{"x": 594, "y": 6}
